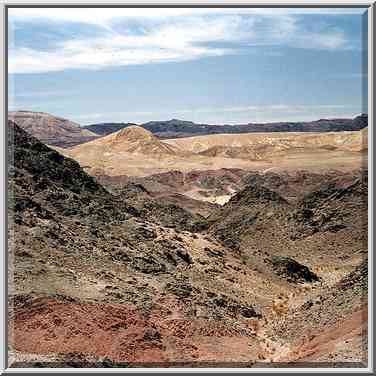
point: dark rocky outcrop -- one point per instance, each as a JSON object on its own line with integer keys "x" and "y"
{"x": 250, "y": 209}
{"x": 291, "y": 270}
{"x": 44, "y": 181}
{"x": 331, "y": 207}
{"x": 160, "y": 210}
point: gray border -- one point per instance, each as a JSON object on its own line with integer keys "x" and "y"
{"x": 367, "y": 61}
{"x": 5, "y": 196}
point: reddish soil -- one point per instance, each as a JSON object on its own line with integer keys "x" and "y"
{"x": 115, "y": 331}
{"x": 337, "y": 338}
{"x": 124, "y": 334}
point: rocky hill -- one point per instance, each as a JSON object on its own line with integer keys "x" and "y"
{"x": 95, "y": 276}
{"x": 123, "y": 278}
{"x": 325, "y": 228}
{"x": 179, "y": 128}
{"x": 134, "y": 140}
{"x": 51, "y": 129}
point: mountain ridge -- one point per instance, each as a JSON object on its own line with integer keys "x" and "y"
{"x": 50, "y": 129}
{"x": 60, "y": 132}
{"x": 176, "y": 128}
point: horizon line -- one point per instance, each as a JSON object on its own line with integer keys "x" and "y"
{"x": 82, "y": 125}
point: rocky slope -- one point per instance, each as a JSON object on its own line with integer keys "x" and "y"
{"x": 200, "y": 191}
{"x": 331, "y": 221}
{"x": 162, "y": 210}
{"x": 329, "y": 327}
{"x": 203, "y": 191}
{"x": 178, "y": 128}
{"x": 120, "y": 277}
{"x": 51, "y": 129}
{"x": 326, "y": 231}
{"x": 90, "y": 276}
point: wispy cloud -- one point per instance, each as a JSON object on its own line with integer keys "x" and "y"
{"x": 177, "y": 41}
{"x": 131, "y": 36}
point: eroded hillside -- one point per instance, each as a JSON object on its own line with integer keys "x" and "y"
{"x": 52, "y": 130}
{"x": 126, "y": 276}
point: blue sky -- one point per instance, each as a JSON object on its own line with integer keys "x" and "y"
{"x": 205, "y": 65}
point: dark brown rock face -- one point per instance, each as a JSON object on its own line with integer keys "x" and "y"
{"x": 50, "y": 129}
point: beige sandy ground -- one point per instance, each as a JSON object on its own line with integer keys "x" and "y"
{"x": 142, "y": 154}
{"x": 281, "y": 140}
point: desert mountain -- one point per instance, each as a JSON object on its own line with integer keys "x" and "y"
{"x": 98, "y": 280}
{"x": 179, "y": 128}
{"x": 51, "y": 129}
{"x": 328, "y": 223}
{"x": 127, "y": 279}
{"x": 133, "y": 139}
{"x": 133, "y": 151}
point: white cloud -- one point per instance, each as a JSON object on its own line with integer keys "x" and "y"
{"x": 168, "y": 35}
{"x": 168, "y": 42}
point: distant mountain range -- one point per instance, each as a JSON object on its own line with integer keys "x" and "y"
{"x": 179, "y": 128}
{"x": 57, "y": 131}
{"x": 135, "y": 151}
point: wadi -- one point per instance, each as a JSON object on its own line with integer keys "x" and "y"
{"x": 148, "y": 246}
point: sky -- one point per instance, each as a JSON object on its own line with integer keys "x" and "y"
{"x": 207, "y": 65}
